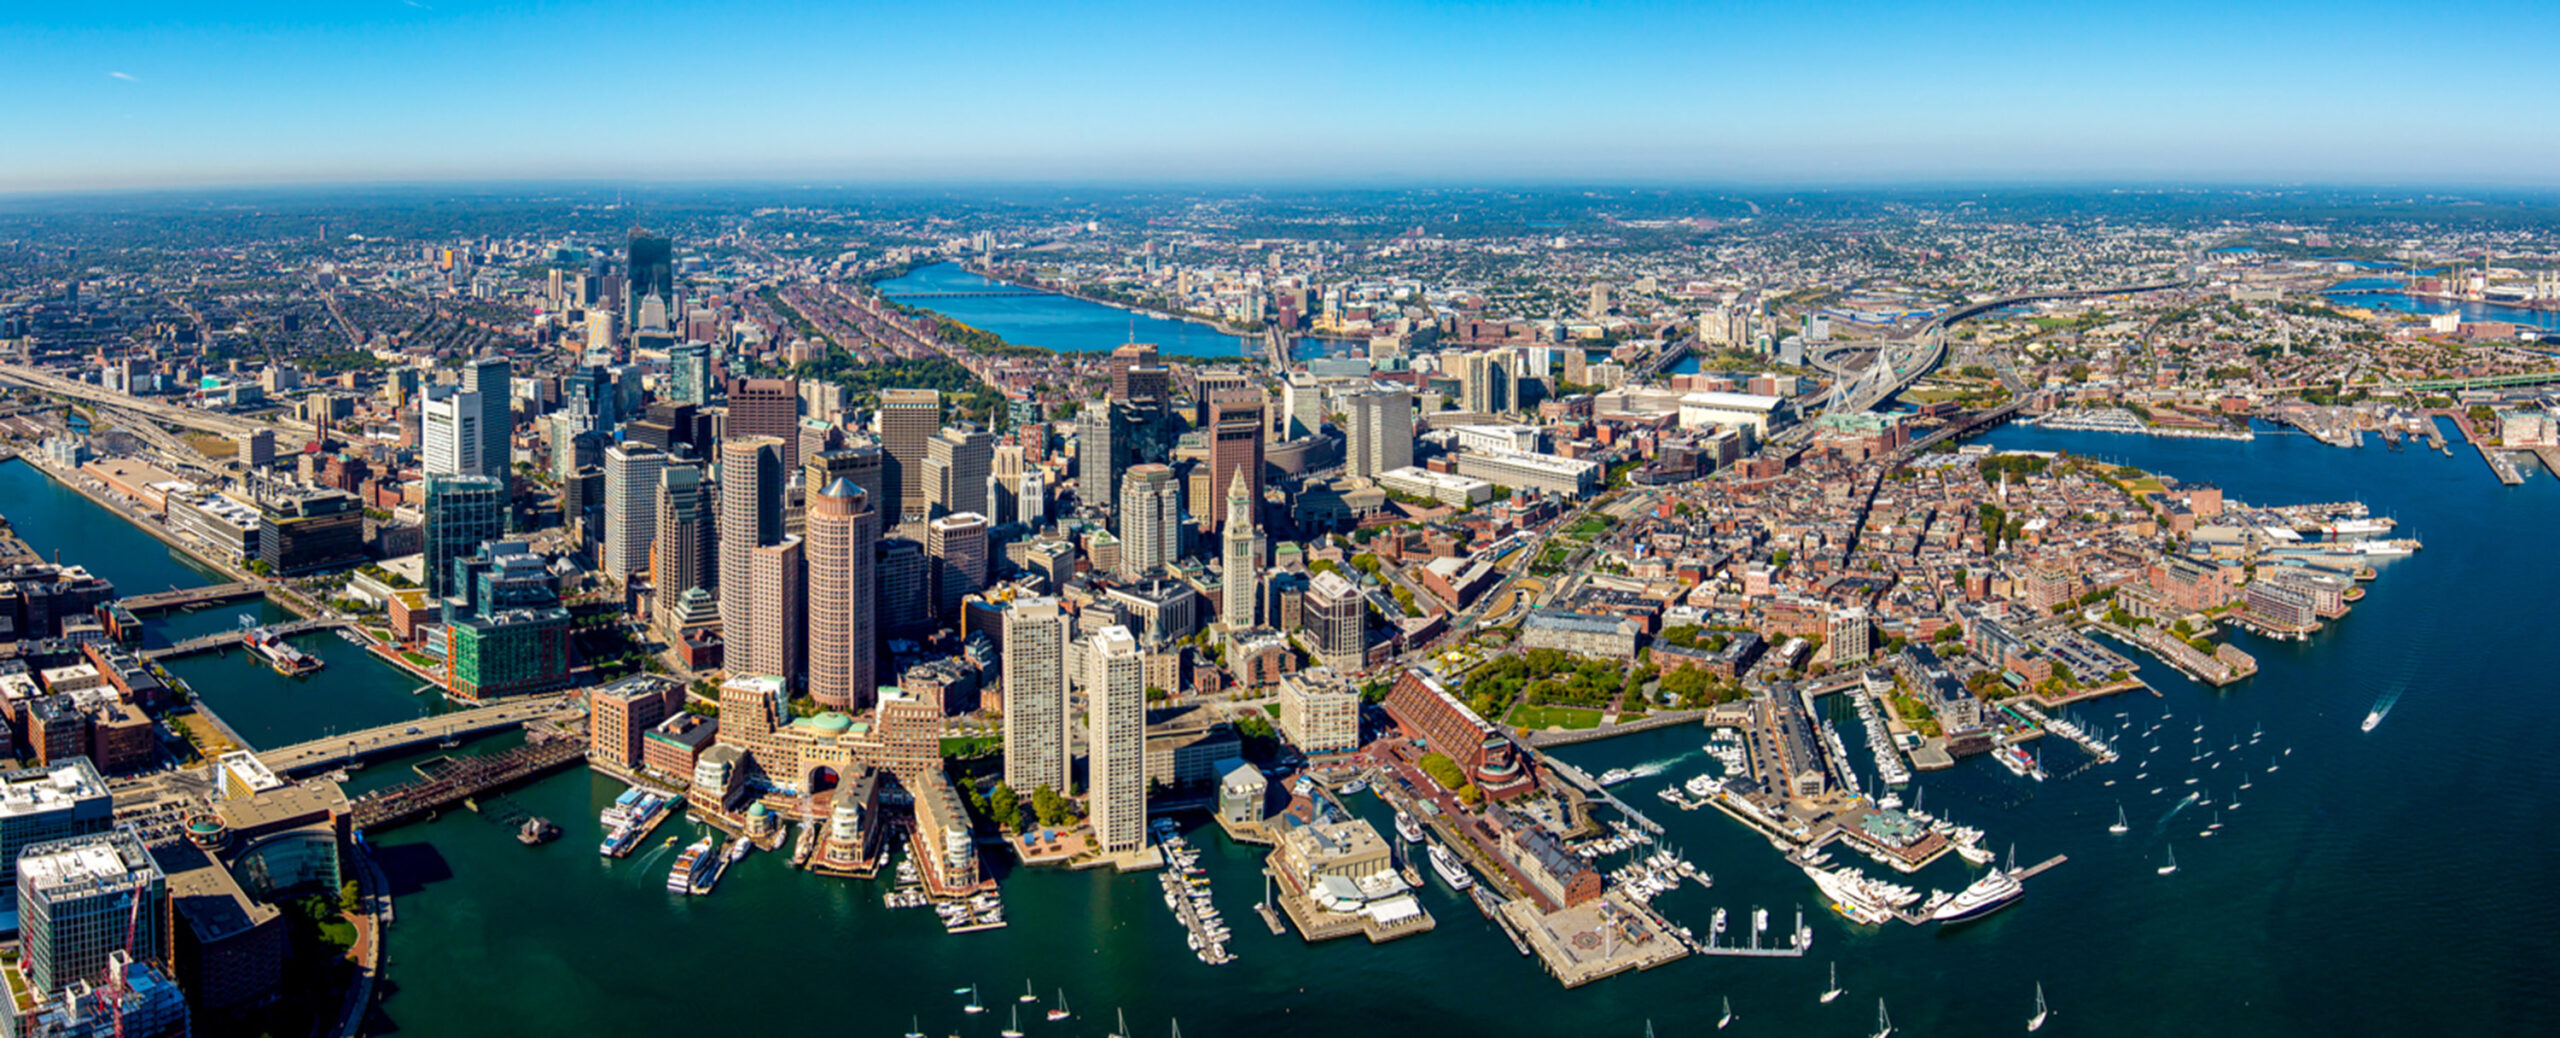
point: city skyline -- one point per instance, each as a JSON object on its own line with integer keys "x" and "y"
{"x": 148, "y": 95}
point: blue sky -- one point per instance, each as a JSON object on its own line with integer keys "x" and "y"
{"x": 125, "y": 93}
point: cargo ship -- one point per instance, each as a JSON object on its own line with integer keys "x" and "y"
{"x": 279, "y": 654}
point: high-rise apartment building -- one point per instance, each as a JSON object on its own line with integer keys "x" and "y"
{"x": 1150, "y": 520}
{"x": 1241, "y": 559}
{"x": 767, "y": 407}
{"x": 686, "y": 554}
{"x": 462, "y": 512}
{"x": 1235, "y": 430}
{"x": 630, "y": 507}
{"x": 844, "y": 596}
{"x": 1380, "y": 438}
{"x": 1036, "y": 714}
{"x": 957, "y": 546}
{"x": 1484, "y": 381}
{"x": 908, "y": 418}
{"x": 1116, "y": 740}
{"x": 449, "y": 430}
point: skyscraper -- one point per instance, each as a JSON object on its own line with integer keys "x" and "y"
{"x": 863, "y": 464}
{"x": 957, "y": 461}
{"x": 449, "y": 433}
{"x": 1304, "y": 414}
{"x": 957, "y": 546}
{"x": 1235, "y": 443}
{"x": 687, "y": 552}
{"x": 1036, "y": 751}
{"x": 653, "y": 271}
{"x": 462, "y": 512}
{"x": 1136, "y": 374}
{"x": 1484, "y": 381}
{"x": 777, "y": 614}
{"x": 767, "y": 407}
{"x": 908, "y": 417}
{"x": 689, "y": 373}
{"x": 1241, "y": 560}
{"x": 1116, "y": 742}
{"x": 487, "y": 378}
{"x": 630, "y": 507}
{"x": 1150, "y": 520}
{"x": 1337, "y": 621}
{"x": 1381, "y": 435}
{"x": 750, "y": 518}
{"x": 906, "y": 592}
{"x": 844, "y": 596}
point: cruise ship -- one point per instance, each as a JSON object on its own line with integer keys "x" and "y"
{"x": 1997, "y": 889}
{"x": 690, "y": 864}
{"x": 1451, "y": 870}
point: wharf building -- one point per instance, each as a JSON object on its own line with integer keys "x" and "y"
{"x": 38, "y": 598}
{"x": 622, "y": 715}
{"x": 1319, "y": 712}
{"x": 1559, "y": 876}
{"x": 1425, "y": 711}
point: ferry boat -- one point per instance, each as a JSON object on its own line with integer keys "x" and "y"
{"x": 1997, "y": 889}
{"x": 689, "y": 863}
{"x": 1451, "y": 870}
{"x": 1408, "y": 827}
{"x": 708, "y": 876}
{"x": 1354, "y": 786}
{"x": 627, "y": 818}
{"x": 1614, "y": 776}
{"x": 287, "y": 660}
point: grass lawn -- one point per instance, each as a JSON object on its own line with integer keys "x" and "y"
{"x": 2146, "y": 485}
{"x": 1536, "y": 717}
{"x": 970, "y": 745}
{"x": 419, "y": 661}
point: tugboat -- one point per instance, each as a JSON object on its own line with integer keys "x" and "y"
{"x": 537, "y": 830}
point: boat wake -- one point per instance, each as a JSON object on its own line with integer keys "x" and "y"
{"x": 2381, "y": 708}
{"x": 2188, "y": 801}
{"x": 1652, "y": 768}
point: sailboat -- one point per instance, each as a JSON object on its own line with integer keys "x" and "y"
{"x": 1123, "y": 1030}
{"x": 2037, "y": 1020}
{"x": 2119, "y": 827}
{"x": 1059, "y": 1012}
{"x": 915, "y": 1029}
{"x": 1727, "y": 1018}
{"x": 1013, "y": 1030}
{"x": 2172, "y": 866}
{"x": 973, "y": 1006}
{"x": 1884, "y": 1024}
{"x": 1027, "y": 996}
{"x": 1833, "y": 991}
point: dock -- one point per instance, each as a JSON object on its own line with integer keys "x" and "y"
{"x": 1799, "y": 941}
{"x": 451, "y": 780}
{"x": 1597, "y": 939}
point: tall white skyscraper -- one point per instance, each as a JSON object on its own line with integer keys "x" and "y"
{"x": 630, "y": 507}
{"x": 1036, "y": 750}
{"x": 1381, "y": 435}
{"x": 449, "y": 428}
{"x": 1116, "y": 739}
{"x": 1241, "y": 559}
{"x": 1150, "y": 520}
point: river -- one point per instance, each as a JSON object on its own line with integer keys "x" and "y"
{"x": 2385, "y": 294}
{"x": 2379, "y": 883}
{"x": 1065, "y": 323}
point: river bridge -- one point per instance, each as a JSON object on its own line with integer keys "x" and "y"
{"x": 447, "y": 781}
{"x": 226, "y": 639}
{"x": 176, "y": 598}
{"x": 904, "y": 296}
{"x": 331, "y": 750}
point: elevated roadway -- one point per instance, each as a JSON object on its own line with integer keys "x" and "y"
{"x": 400, "y": 736}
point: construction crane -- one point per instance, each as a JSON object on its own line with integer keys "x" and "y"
{"x": 117, "y": 987}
